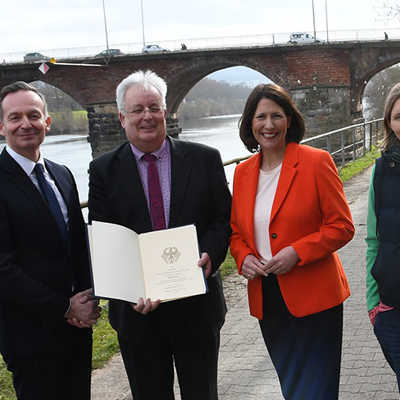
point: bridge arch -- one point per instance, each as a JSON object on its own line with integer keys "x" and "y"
{"x": 369, "y": 74}
{"x": 327, "y": 80}
{"x": 52, "y": 90}
{"x": 185, "y": 79}
{"x": 367, "y": 61}
{"x": 68, "y": 116}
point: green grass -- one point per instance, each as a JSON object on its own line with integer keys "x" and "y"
{"x": 77, "y": 115}
{"x": 105, "y": 343}
{"x": 6, "y": 387}
{"x": 228, "y": 266}
{"x": 69, "y": 121}
{"x": 355, "y": 167}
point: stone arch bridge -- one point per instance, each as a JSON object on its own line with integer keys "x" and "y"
{"x": 326, "y": 80}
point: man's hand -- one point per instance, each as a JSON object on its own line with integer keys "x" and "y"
{"x": 143, "y": 307}
{"x": 84, "y": 311}
{"x": 205, "y": 261}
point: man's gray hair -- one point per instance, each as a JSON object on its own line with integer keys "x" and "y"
{"x": 147, "y": 80}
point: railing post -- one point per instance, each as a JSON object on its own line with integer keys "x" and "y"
{"x": 328, "y": 144}
{"x": 370, "y": 130}
{"x": 364, "y": 144}
{"x": 342, "y": 143}
{"x": 353, "y": 138}
{"x": 380, "y": 130}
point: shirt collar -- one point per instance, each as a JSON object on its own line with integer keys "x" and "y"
{"x": 25, "y": 163}
{"x": 160, "y": 153}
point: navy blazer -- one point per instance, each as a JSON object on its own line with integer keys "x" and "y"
{"x": 38, "y": 272}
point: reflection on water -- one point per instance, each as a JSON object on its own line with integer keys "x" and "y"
{"x": 74, "y": 151}
{"x": 219, "y": 132}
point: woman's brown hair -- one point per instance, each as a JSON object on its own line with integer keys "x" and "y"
{"x": 389, "y": 138}
{"x": 280, "y": 96}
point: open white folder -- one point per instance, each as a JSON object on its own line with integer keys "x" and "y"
{"x": 156, "y": 265}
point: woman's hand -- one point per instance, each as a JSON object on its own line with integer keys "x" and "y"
{"x": 373, "y": 314}
{"x": 252, "y": 267}
{"x": 282, "y": 262}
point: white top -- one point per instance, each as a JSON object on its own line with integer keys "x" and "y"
{"x": 266, "y": 189}
{"x": 28, "y": 165}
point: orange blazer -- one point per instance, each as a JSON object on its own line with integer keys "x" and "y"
{"x": 310, "y": 213}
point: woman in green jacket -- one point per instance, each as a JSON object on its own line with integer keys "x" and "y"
{"x": 383, "y": 238}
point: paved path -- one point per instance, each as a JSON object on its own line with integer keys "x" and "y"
{"x": 245, "y": 371}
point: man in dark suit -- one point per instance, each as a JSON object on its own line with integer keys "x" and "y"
{"x": 154, "y": 182}
{"x": 45, "y": 306}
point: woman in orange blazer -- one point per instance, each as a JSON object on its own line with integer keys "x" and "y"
{"x": 289, "y": 216}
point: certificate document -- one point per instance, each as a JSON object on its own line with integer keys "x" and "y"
{"x": 156, "y": 265}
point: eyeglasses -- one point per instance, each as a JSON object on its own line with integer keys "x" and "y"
{"x": 140, "y": 111}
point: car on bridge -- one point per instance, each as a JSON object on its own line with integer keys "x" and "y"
{"x": 302, "y": 37}
{"x": 153, "y": 48}
{"x": 35, "y": 57}
{"x": 110, "y": 53}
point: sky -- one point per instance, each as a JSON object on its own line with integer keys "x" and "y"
{"x": 38, "y": 25}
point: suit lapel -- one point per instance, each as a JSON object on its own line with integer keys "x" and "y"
{"x": 288, "y": 172}
{"x": 181, "y": 166}
{"x": 60, "y": 178}
{"x": 131, "y": 189}
{"x": 248, "y": 192}
{"x": 17, "y": 175}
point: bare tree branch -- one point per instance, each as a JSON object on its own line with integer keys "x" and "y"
{"x": 388, "y": 10}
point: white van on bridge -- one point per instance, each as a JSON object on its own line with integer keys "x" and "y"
{"x": 302, "y": 37}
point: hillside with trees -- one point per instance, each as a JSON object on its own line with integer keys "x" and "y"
{"x": 376, "y": 91}
{"x": 209, "y": 98}
{"x": 67, "y": 115}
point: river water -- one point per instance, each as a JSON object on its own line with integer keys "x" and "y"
{"x": 220, "y": 132}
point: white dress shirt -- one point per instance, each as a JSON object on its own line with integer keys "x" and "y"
{"x": 266, "y": 189}
{"x": 28, "y": 165}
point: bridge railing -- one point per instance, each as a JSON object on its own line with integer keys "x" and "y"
{"x": 264, "y": 39}
{"x": 344, "y": 144}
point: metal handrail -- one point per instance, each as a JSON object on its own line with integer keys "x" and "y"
{"x": 352, "y": 146}
{"x": 207, "y": 43}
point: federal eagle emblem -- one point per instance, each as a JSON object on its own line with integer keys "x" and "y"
{"x": 170, "y": 255}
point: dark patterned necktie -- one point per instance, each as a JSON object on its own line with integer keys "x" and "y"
{"x": 155, "y": 194}
{"x": 52, "y": 201}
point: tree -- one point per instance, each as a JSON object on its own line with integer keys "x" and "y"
{"x": 388, "y": 9}
{"x": 209, "y": 97}
{"x": 377, "y": 89}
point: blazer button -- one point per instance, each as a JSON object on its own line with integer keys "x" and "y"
{"x": 274, "y": 236}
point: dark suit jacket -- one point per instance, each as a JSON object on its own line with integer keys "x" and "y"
{"x": 199, "y": 195}
{"x": 37, "y": 269}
